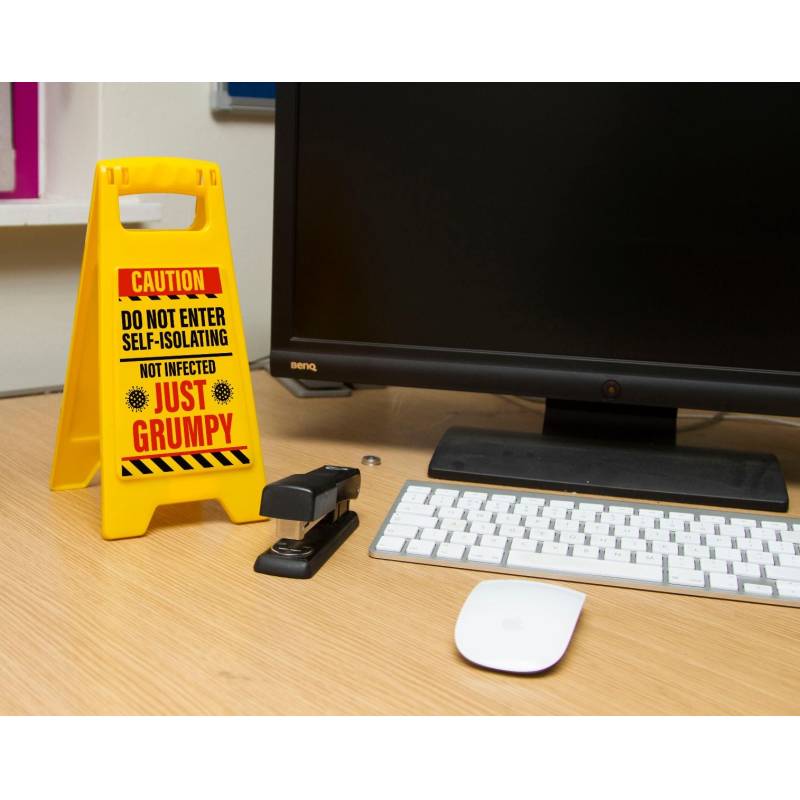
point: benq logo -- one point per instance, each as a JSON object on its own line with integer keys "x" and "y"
{"x": 307, "y": 366}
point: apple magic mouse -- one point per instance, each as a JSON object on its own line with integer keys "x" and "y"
{"x": 517, "y": 625}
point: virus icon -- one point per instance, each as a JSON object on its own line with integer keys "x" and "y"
{"x": 222, "y": 392}
{"x": 136, "y": 398}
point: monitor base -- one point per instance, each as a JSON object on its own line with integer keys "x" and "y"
{"x": 663, "y": 472}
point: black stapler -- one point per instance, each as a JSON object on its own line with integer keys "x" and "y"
{"x": 314, "y": 519}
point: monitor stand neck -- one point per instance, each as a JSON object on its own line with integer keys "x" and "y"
{"x": 611, "y": 449}
{"x": 611, "y": 422}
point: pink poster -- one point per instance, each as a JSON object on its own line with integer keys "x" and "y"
{"x": 25, "y": 110}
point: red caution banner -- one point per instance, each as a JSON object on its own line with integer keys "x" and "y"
{"x": 169, "y": 282}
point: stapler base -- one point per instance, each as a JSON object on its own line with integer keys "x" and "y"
{"x": 301, "y": 558}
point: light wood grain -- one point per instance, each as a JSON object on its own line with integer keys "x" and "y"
{"x": 178, "y": 622}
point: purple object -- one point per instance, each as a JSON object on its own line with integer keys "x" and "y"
{"x": 25, "y": 110}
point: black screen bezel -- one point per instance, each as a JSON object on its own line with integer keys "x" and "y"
{"x": 645, "y": 383}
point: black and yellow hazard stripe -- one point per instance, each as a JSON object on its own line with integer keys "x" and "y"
{"x": 139, "y": 298}
{"x": 159, "y": 465}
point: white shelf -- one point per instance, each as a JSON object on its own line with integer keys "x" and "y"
{"x": 55, "y": 211}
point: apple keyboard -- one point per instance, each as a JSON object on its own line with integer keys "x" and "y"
{"x": 712, "y": 553}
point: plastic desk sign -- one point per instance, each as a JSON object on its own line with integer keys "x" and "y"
{"x": 158, "y": 393}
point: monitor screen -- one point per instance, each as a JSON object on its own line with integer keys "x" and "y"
{"x": 628, "y": 223}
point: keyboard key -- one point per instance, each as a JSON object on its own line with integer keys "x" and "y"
{"x": 651, "y": 512}
{"x": 508, "y": 519}
{"x": 567, "y": 525}
{"x": 656, "y": 535}
{"x": 406, "y": 531}
{"x": 696, "y": 551}
{"x": 419, "y": 520}
{"x": 603, "y": 541}
{"x": 775, "y": 525}
{"x": 585, "y": 551}
{"x": 497, "y": 542}
{"x": 755, "y": 557}
{"x": 745, "y": 523}
{"x": 418, "y": 547}
{"x": 448, "y": 512}
{"x": 758, "y": 588}
{"x": 596, "y": 508}
{"x": 569, "y": 537}
{"x": 562, "y": 504}
{"x": 681, "y": 562}
{"x": 433, "y": 534}
{"x": 731, "y": 530}
{"x": 638, "y": 521}
{"x": 515, "y": 531}
{"x": 585, "y": 566}
{"x": 416, "y": 508}
{"x": 539, "y": 523}
{"x": 554, "y": 513}
{"x": 719, "y": 541}
{"x": 442, "y": 500}
{"x": 791, "y": 536}
{"x": 781, "y": 547}
{"x": 583, "y": 516}
{"x": 703, "y": 527}
{"x": 460, "y": 537}
{"x": 623, "y": 556}
{"x": 447, "y": 492}
{"x": 788, "y": 589}
{"x": 413, "y": 497}
{"x": 765, "y": 534}
{"x": 471, "y": 504}
{"x": 783, "y": 573}
{"x": 687, "y": 577}
{"x": 665, "y": 548}
{"x": 713, "y": 565}
{"x": 448, "y": 550}
{"x": 788, "y": 560}
{"x": 453, "y": 524}
{"x": 596, "y": 527}
{"x": 629, "y": 531}
{"x": 672, "y": 525}
{"x": 683, "y": 515}
{"x": 420, "y": 489}
{"x": 714, "y": 520}
{"x": 727, "y": 554}
{"x": 723, "y": 583}
{"x": 482, "y": 496}
{"x": 487, "y": 555}
{"x": 503, "y": 498}
{"x": 747, "y": 570}
{"x": 498, "y": 506}
{"x": 543, "y": 536}
{"x": 627, "y": 510}
{"x": 528, "y": 545}
{"x": 486, "y": 528}
{"x": 611, "y": 518}
{"x": 531, "y": 501}
{"x": 475, "y": 516}
{"x": 685, "y": 537}
{"x": 554, "y": 548}
{"x": 390, "y": 544}
{"x": 632, "y": 544}
{"x": 746, "y": 543}
{"x": 654, "y": 559}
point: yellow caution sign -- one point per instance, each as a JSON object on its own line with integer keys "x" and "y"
{"x": 158, "y": 391}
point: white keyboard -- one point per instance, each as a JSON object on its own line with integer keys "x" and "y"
{"x": 739, "y": 556}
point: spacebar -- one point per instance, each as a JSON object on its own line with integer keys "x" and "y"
{"x": 585, "y": 566}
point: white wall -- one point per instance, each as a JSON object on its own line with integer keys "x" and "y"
{"x": 39, "y": 267}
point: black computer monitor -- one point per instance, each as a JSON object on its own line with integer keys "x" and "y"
{"x": 620, "y": 249}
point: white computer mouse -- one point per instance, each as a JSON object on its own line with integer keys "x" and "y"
{"x": 517, "y": 626}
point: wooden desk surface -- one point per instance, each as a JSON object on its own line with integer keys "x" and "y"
{"x": 178, "y": 622}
